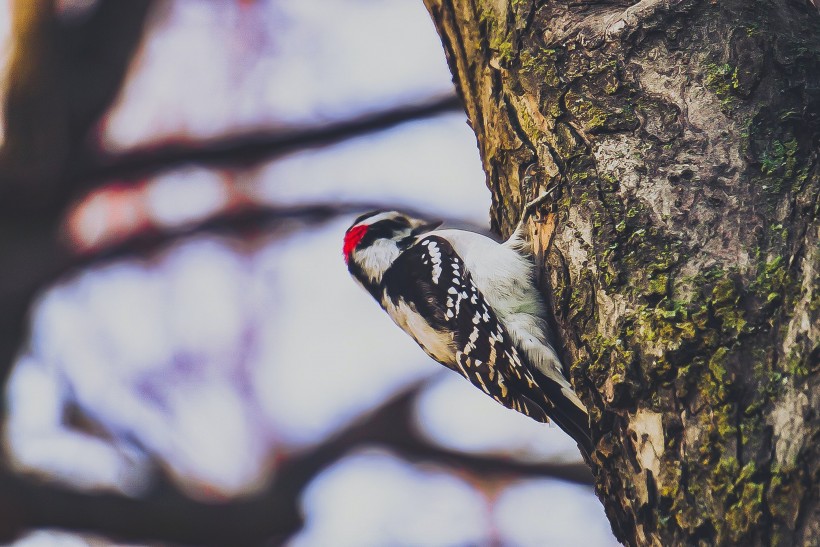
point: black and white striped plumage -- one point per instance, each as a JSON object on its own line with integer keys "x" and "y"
{"x": 472, "y": 305}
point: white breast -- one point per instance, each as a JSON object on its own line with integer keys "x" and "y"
{"x": 438, "y": 345}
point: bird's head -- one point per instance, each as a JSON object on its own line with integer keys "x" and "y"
{"x": 374, "y": 241}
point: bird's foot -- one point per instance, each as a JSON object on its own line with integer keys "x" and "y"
{"x": 531, "y": 208}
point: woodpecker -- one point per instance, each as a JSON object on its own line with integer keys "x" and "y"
{"x": 472, "y": 305}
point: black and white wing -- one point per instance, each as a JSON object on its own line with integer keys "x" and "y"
{"x": 429, "y": 293}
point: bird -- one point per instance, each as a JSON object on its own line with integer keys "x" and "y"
{"x": 472, "y": 304}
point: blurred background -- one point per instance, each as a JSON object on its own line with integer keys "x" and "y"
{"x": 196, "y": 366}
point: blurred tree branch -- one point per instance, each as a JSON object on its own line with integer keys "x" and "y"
{"x": 247, "y": 149}
{"x": 274, "y": 515}
{"x": 64, "y": 73}
{"x": 242, "y": 221}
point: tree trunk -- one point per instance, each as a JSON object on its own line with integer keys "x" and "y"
{"x": 680, "y": 252}
{"x": 63, "y": 75}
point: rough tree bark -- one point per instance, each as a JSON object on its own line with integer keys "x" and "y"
{"x": 681, "y": 251}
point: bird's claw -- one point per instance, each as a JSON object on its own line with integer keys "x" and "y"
{"x": 531, "y": 207}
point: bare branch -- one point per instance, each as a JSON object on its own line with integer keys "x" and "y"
{"x": 247, "y": 149}
{"x": 237, "y": 222}
{"x": 273, "y": 515}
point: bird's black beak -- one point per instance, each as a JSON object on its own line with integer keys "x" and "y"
{"x": 427, "y": 227}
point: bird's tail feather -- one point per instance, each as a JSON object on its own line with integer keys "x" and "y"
{"x": 565, "y": 409}
{"x": 575, "y": 424}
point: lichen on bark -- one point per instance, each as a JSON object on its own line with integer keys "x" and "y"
{"x": 680, "y": 253}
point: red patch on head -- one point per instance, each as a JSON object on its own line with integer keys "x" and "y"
{"x": 352, "y": 238}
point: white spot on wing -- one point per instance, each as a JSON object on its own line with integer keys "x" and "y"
{"x": 471, "y": 342}
{"x": 502, "y": 385}
{"x": 435, "y": 257}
